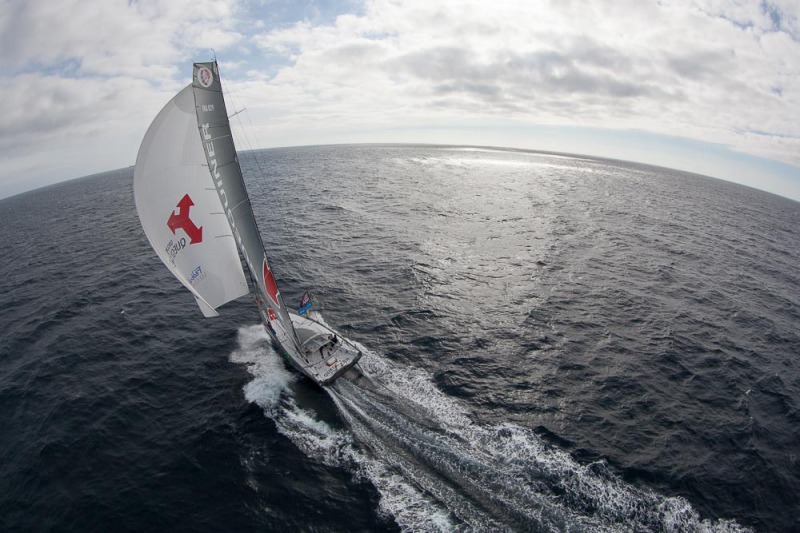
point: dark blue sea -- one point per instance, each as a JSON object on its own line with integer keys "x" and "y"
{"x": 551, "y": 343}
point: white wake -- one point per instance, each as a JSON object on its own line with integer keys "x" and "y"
{"x": 436, "y": 469}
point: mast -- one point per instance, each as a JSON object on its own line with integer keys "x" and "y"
{"x": 223, "y": 165}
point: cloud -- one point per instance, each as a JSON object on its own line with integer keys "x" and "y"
{"x": 710, "y": 71}
{"x": 82, "y": 71}
{"x": 721, "y": 72}
{"x": 138, "y": 38}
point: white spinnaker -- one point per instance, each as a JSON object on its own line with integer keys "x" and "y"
{"x": 192, "y": 237}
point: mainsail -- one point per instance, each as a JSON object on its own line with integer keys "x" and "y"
{"x": 180, "y": 210}
{"x": 223, "y": 165}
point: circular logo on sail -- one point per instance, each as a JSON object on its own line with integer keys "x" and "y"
{"x": 204, "y": 77}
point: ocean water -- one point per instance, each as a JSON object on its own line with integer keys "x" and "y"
{"x": 551, "y": 343}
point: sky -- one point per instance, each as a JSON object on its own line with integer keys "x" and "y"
{"x": 707, "y": 86}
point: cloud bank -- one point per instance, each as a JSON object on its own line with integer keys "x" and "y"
{"x": 718, "y": 72}
{"x": 89, "y": 74}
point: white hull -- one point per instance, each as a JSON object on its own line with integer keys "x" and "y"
{"x": 321, "y": 359}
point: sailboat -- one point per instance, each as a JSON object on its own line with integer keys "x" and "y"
{"x": 195, "y": 210}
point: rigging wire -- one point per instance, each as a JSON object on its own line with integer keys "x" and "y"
{"x": 256, "y": 155}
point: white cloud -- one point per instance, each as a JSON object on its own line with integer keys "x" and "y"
{"x": 138, "y": 38}
{"x": 724, "y": 72}
{"x": 82, "y": 71}
{"x": 719, "y": 72}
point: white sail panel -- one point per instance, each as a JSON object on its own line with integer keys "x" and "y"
{"x": 180, "y": 209}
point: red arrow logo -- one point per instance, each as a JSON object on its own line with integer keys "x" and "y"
{"x": 182, "y": 220}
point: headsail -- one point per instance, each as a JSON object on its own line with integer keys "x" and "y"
{"x": 180, "y": 210}
{"x": 223, "y": 163}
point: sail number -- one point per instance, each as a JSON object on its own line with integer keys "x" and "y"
{"x": 207, "y": 107}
